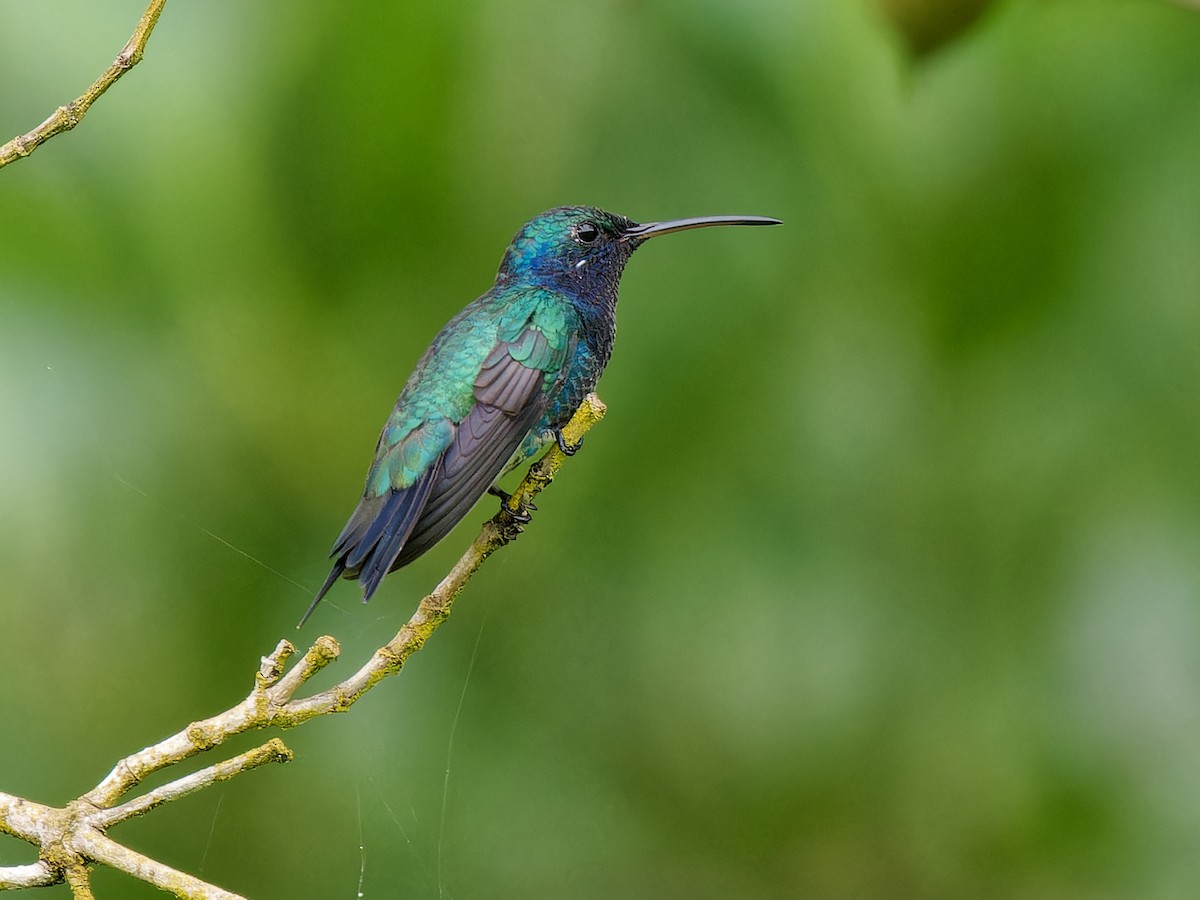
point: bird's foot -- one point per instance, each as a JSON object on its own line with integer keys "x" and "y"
{"x": 567, "y": 449}
{"x": 520, "y": 515}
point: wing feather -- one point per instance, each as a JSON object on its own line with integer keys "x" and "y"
{"x": 451, "y": 499}
{"x": 509, "y": 398}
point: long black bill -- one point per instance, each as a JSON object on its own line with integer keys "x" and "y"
{"x": 653, "y": 229}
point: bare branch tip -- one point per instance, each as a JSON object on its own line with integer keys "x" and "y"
{"x": 278, "y": 751}
{"x": 274, "y": 664}
{"x": 596, "y": 406}
{"x": 323, "y": 651}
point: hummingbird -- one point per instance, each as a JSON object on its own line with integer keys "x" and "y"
{"x": 497, "y": 384}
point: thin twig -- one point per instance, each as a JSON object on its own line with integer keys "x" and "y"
{"x": 67, "y": 117}
{"x": 273, "y": 750}
{"x": 94, "y": 845}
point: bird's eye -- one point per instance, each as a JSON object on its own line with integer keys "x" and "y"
{"x": 586, "y": 233}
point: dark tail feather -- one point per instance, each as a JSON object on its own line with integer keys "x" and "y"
{"x": 368, "y": 525}
{"x": 338, "y": 568}
{"x": 372, "y": 539}
{"x": 391, "y": 541}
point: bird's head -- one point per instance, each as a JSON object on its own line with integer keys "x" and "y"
{"x": 572, "y": 248}
{"x": 582, "y": 250}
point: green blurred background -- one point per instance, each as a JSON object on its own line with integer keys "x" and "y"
{"x": 882, "y": 577}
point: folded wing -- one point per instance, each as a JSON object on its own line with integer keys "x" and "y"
{"x": 393, "y": 525}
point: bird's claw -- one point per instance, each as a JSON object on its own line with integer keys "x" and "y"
{"x": 520, "y": 515}
{"x": 567, "y": 449}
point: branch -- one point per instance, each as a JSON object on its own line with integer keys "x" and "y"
{"x": 273, "y": 750}
{"x": 67, "y": 117}
{"x": 73, "y": 837}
